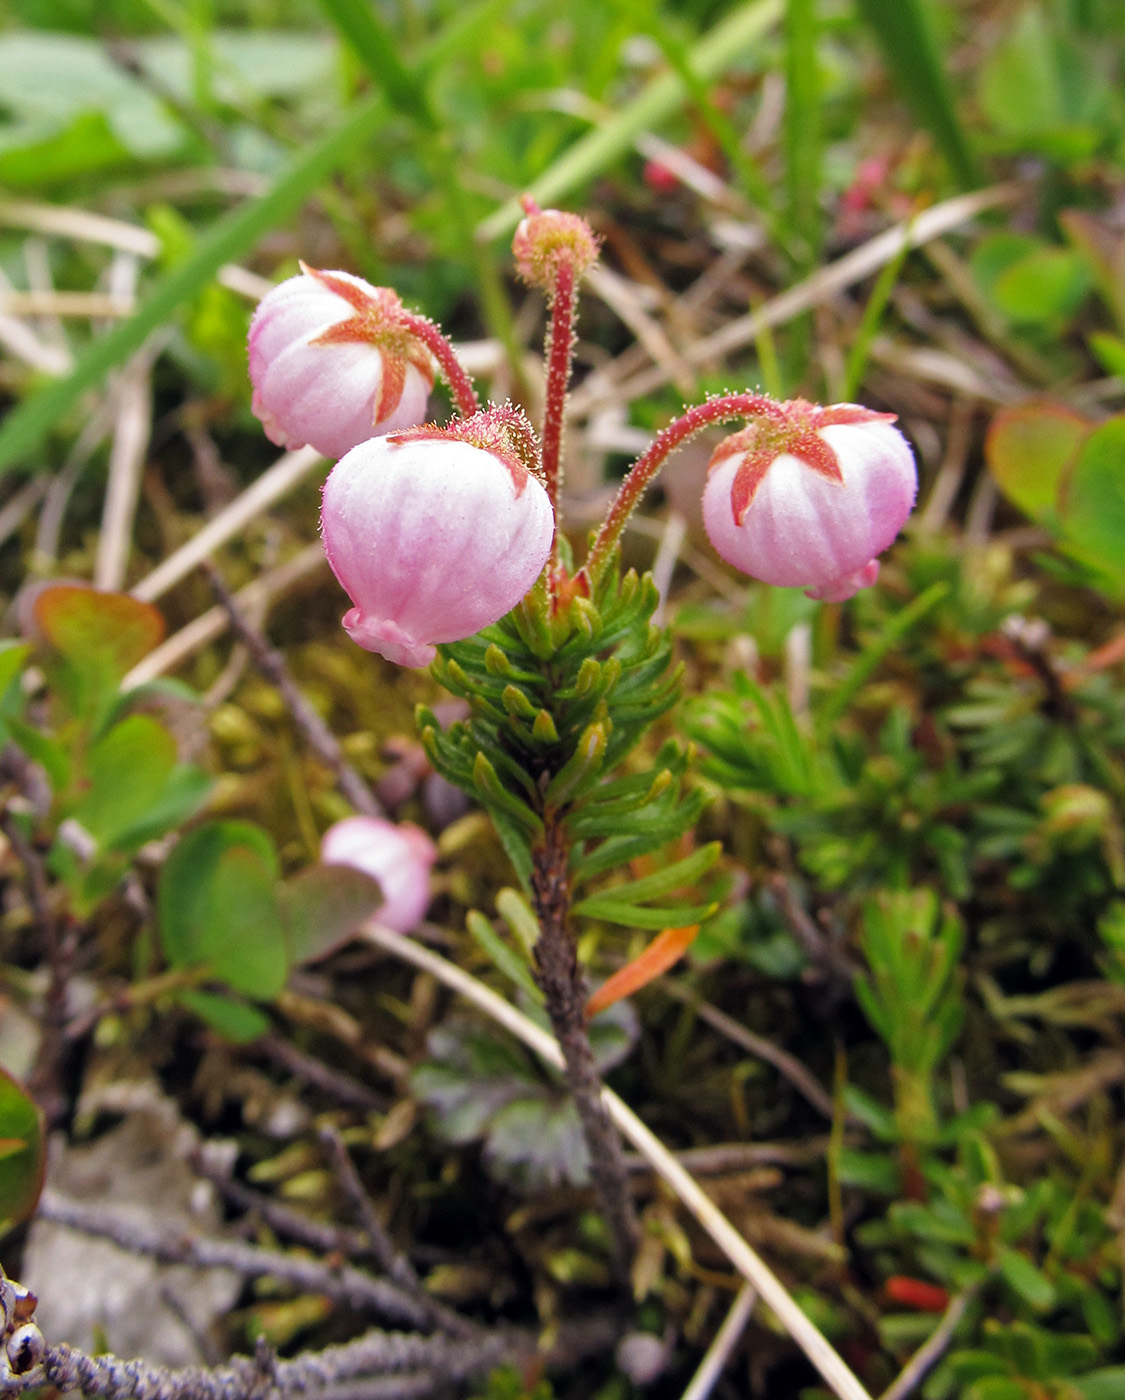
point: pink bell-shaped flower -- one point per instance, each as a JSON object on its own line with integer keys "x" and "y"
{"x": 398, "y": 857}
{"x": 332, "y": 364}
{"x": 807, "y": 497}
{"x": 437, "y": 532}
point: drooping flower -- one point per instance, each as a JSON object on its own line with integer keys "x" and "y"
{"x": 332, "y": 364}
{"x": 807, "y": 497}
{"x": 436, "y": 532}
{"x": 398, "y": 857}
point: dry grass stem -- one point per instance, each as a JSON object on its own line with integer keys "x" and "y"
{"x": 272, "y": 486}
{"x": 724, "y": 1342}
{"x": 753, "y": 1268}
{"x": 835, "y": 277}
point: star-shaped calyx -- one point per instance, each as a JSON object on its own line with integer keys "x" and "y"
{"x": 501, "y": 429}
{"x": 378, "y": 322}
{"x": 792, "y": 428}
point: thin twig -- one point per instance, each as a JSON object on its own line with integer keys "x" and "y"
{"x": 272, "y": 486}
{"x": 340, "y": 1086}
{"x": 932, "y": 1349}
{"x": 397, "y": 1266}
{"x": 345, "y": 1285}
{"x": 724, "y": 1342}
{"x": 753, "y": 1268}
{"x": 786, "y": 1065}
{"x": 46, "y": 1081}
{"x": 259, "y": 594}
{"x": 376, "y": 1366}
{"x": 318, "y": 735}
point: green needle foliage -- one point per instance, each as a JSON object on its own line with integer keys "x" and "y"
{"x": 550, "y": 729}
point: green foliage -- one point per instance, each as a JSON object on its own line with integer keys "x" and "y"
{"x": 506, "y": 1383}
{"x": 479, "y": 1086}
{"x": 23, "y": 1153}
{"x": 912, "y": 997}
{"x": 903, "y": 30}
{"x": 225, "y": 918}
{"x": 1048, "y": 88}
{"x": 546, "y": 732}
{"x": 1070, "y": 475}
{"x": 115, "y": 777}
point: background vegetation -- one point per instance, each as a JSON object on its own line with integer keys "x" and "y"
{"x": 894, "y": 1053}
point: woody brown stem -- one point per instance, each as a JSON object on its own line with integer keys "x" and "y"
{"x": 564, "y": 987}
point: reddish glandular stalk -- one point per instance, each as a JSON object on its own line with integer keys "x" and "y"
{"x": 460, "y": 385}
{"x": 552, "y": 250}
{"x": 646, "y": 467}
{"x": 560, "y": 349}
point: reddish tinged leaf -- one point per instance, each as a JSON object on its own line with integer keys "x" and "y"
{"x": 23, "y": 1161}
{"x": 915, "y": 1293}
{"x": 665, "y": 950}
{"x": 1030, "y": 448}
{"x": 93, "y": 628}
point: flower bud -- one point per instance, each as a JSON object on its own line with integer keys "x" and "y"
{"x": 398, "y": 858}
{"x": 807, "y": 497}
{"x": 548, "y": 239}
{"x": 437, "y": 532}
{"x": 332, "y": 365}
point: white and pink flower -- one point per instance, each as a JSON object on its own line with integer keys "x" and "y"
{"x": 809, "y": 497}
{"x": 332, "y": 364}
{"x": 398, "y": 857}
{"x": 437, "y": 532}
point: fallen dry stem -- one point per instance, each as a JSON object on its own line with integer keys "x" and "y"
{"x": 753, "y": 1268}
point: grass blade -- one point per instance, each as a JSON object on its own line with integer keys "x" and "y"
{"x": 802, "y": 129}
{"x": 912, "y": 57}
{"x": 27, "y": 425}
{"x": 591, "y": 153}
{"x": 359, "y": 23}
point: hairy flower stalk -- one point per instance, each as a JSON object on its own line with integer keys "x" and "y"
{"x": 552, "y": 251}
{"x": 646, "y": 467}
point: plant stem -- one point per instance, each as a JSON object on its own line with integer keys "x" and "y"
{"x": 460, "y": 385}
{"x": 646, "y": 467}
{"x": 560, "y": 347}
{"x": 561, "y": 978}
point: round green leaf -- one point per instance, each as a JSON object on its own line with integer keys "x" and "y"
{"x": 1028, "y": 449}
{"x": 218, "y": 907}
{"x": 1093, "y": 501}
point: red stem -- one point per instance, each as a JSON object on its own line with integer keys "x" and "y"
{"x": 646, "y": 467}
{"x": 560, "y": 347}
{"x": 460, "y": 385}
